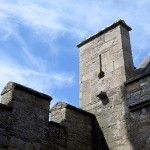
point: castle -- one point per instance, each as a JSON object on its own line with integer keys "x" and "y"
{"x": 114, "y": 109}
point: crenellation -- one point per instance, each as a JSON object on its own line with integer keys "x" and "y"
{"x": 114, "y": 101}
{"x": 77, "y": 132}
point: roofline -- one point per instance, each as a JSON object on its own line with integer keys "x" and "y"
{"x": 138, "y": 77}
{"x": 119, "y": 22}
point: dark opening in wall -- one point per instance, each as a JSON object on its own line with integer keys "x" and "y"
{"x": 101, "y": 74}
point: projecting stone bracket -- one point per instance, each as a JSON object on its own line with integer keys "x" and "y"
{"x": 101, "y": 95}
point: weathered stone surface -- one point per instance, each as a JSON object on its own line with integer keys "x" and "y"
{"x": 24, "y": 119}
{"x": 115, "y": 112}
{"x": 77, "y": 123}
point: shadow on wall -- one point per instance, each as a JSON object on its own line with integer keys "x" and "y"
{"x": 137, "y": 113}
{"x": 99, "y": 142}
{"x": 103, "y": 97}
{"x": 137, "y": 130}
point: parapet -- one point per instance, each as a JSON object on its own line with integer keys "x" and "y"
{"x": 14, "y": 92}
{"x": 78, "y": 125}
{"x": 61, "y": 105}
{"x": 12, "y": 86}
{"x": 115, "y": 96}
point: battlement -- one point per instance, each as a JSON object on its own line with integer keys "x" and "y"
{"x": 12, "y": 86}
{"x": 114, "y": 100}
{"x": 24, "y": 122}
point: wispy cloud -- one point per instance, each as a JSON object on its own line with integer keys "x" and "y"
{"x": 40, "y": 18}
{"x": 44, "y": 82}
{"x": 32, "y": 33}
{"x": 79, "y": 18}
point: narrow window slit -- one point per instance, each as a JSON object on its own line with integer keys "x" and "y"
{"x": 101, "y": 74}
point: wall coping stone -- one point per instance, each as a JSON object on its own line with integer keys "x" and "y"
{"x": 139, "y": 105}
{"x": 60, "y": 105}
{"x": 115, "y": 24}
{"x": 135, "y": 78}
{"x": 12, "y": 86}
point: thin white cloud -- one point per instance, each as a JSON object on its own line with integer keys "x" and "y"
{"x": 48, "y": 20}
{"x": 33, "y": 15}
{"x": 55, "y": 18}
{"x": 12, "y": 33}
{"x": 44, "y": 82}
{"x": 59, "y": 17}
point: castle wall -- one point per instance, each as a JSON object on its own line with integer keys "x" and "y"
{"x": 138, "y": 101}
{"x": 78, "y": 125}
{"x": 110, "y": 89}
{"x": 24, "y": 122}
{"x": 57, "y": 136}
{"x": 27, "y": 124}
{"x": 114, "y": 100}
{"x": 138, "y": 91}
{"x": 4, "y": 121}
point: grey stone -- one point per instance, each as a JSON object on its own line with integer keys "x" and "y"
{"x": 115, "y": 104}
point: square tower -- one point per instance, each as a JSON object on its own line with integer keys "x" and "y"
{"x": 105, "y": 61}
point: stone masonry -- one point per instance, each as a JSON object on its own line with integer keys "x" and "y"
{"x": 114, "y": 108}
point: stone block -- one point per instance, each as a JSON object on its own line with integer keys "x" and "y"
{"x": 133, "y": 86}
{"x": 3, "y": 141}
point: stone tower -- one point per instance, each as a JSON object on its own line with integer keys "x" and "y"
{"x": 114, "y": 100}
{"x": 105, "y": 64}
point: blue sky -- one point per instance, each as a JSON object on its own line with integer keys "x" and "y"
{"x": 38, "y": 40}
